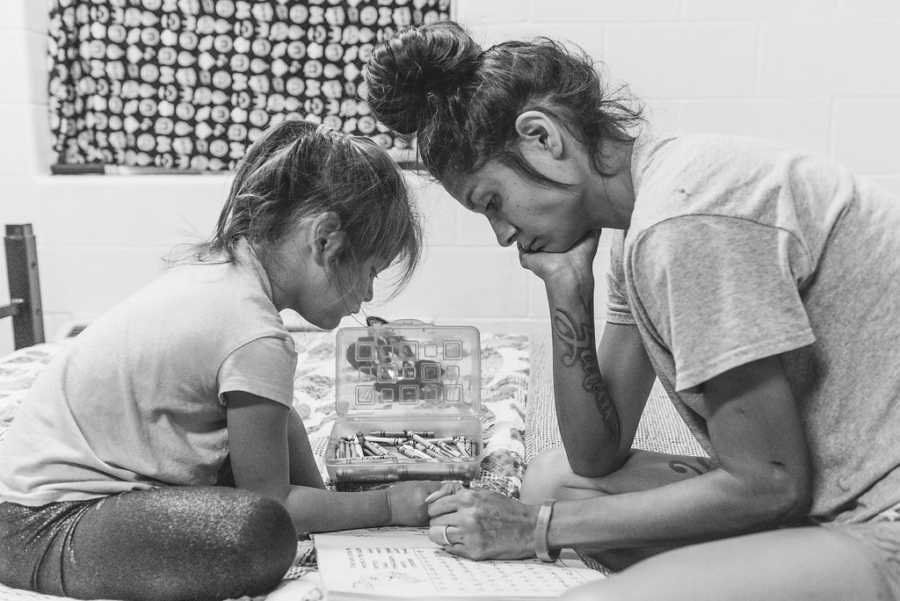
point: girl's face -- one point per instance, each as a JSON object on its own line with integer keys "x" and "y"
{"x": 346, "y": 288}
{"x": 534, "y": 216}
{"x": 308, "y": 275}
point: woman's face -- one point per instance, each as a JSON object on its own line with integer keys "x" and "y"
{"x": 521, "y": 211}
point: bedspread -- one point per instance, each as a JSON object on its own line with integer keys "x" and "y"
{"x": 505, "y": 376}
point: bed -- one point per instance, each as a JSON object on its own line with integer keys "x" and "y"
{"x": 24, "y": 306}
{"x": 518, "y": 417}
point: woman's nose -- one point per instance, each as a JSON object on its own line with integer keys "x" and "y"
{"x": 505, "y": 232}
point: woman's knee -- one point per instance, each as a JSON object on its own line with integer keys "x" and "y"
{"x": 544, "y": 476}
{"x": 595, "y": 591}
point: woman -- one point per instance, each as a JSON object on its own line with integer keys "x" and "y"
{"x": 758, "y": 284}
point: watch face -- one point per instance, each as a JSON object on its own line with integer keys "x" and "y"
{"x": 141, "y": 82}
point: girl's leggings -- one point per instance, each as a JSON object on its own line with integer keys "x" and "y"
{"x": 163, "y": 544}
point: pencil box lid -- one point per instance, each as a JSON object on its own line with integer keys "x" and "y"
{"x": 408, "y": 368}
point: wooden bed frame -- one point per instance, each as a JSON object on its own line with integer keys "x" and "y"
{"x": 24, "y": 286}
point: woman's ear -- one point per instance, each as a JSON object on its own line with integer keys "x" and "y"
{"x": 538, "y": 132}
{"x": 328, "y": 238}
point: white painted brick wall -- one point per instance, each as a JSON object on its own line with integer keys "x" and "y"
{"x": 817, "y": 74}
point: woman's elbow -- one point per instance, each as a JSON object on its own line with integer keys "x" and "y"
{"x": 783, "y": 498}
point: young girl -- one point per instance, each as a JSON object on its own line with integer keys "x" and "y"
{"x": 110, "y": 470}
{"x": 759, "y": 285}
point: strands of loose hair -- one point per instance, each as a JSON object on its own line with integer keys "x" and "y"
{"x": 462, "y": 102}
{"x": 299, "y": 169}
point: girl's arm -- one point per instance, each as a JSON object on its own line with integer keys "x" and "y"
{"x": 304, "y": 471}
{"x": 258, "y": 433}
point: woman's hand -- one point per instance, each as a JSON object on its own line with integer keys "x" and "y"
{"x": 480, "y": 524}
{"x": 407, "y": 501}
{"x": 577, "y": 261}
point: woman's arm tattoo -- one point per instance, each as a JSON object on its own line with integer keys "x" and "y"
{"x": 576, "y": 341}
{"x": 682, "y": 467}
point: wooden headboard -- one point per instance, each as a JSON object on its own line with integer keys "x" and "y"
{"x": 24, "y": 286}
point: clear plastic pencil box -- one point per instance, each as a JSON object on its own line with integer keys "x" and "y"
{"x": 407, "y": 402}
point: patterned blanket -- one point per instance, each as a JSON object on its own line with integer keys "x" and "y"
{"x": 505, "y": 368}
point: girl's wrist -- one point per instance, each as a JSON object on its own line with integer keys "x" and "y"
{"x": 388, "y": 510}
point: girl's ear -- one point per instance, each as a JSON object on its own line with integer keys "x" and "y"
{"x": 328, "y": 238}
{"x": 539, "y": 133}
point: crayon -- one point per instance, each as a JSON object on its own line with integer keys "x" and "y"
{"x": 430, "y": 451}
{"x": 450, "y": 451}
{"x": 373, "y": 447}
{"x": 412, "y": 453}
{"x": 425, "y": 443}
{"x": 386, "y": 439}
{"x": 357, "y": 446}
{"x": 461, "y": 447}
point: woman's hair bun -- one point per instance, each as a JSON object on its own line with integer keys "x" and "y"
{"x": 413, "y": 71}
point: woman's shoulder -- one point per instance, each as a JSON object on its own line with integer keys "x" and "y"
{"x": 678, "y": 175}
{"x": 682, "y": 154}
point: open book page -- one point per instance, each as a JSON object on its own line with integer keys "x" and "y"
{"x": 403, "y": 563}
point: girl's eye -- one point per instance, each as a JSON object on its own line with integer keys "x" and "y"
{"x": 493, "y": 204}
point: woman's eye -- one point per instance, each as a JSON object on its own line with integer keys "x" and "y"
{"x": 493, "y": 204}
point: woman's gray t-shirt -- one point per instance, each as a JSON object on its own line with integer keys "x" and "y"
{"x": 739, "y": 250}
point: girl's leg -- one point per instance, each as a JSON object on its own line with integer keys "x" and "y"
{"x": 173, "y": 543}
{"x": 791, "y": 564}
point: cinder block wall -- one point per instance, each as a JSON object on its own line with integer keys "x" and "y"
{"x": 818, "y": 74}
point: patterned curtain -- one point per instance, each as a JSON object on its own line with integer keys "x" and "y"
{"x": 189, "y": 84}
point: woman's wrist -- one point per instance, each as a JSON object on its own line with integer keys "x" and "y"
{"x": 541, "y": 530}
{"x": 568, "y": 279}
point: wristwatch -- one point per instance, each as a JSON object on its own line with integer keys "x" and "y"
{"x": 541, "y": 527}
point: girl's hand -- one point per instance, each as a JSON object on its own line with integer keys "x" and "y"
{"x": 480, "y": 524}
{"x": 448, "y": 487}
{"x": 407, "y": 502}
{"x": 577, "y": 261}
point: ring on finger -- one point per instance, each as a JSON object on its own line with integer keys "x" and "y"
{"x": 447, "y": 542}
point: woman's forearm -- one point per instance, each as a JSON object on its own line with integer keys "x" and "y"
{"x": 587, "y": 416}
{"x": 709, "y": 506}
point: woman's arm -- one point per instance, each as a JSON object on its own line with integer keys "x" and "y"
{"x": 599, "y": 399}
{"x": 763, "y": 479}
{"x": 258, "y": 434}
